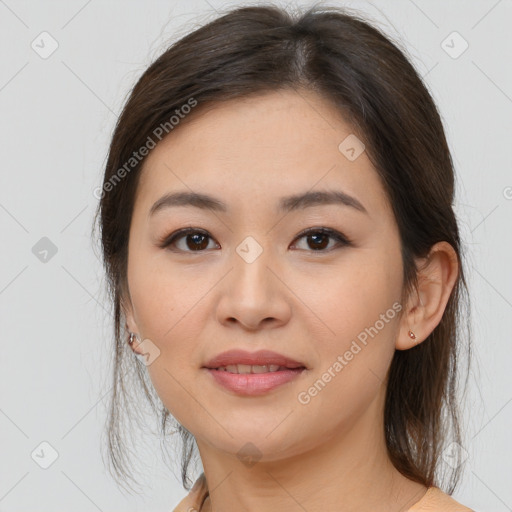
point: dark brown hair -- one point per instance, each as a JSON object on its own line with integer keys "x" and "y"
{"x": 370, "y": 81}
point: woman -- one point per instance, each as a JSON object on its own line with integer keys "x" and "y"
{"x": 283, "y": 256}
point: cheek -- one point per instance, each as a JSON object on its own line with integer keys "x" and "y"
{"x": 165, "y": 298}
{"x": 360, "y": 312}
{"x": 170, "y": 311}
{"x": 164, "y": 315}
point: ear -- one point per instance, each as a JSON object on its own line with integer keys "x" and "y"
{"x": 437, "y": 274}
{"x": 128, "y": 313}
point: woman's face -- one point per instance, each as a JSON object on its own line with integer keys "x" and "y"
{"x": 246, "y": 277}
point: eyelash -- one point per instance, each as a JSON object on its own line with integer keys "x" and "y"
{"x": 169, "y": 240}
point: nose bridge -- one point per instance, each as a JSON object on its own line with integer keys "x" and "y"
{"x": 252, "y": 293}
{"x": 251, "y": 260}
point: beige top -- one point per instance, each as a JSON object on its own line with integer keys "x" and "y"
{"x": 434, "y": 500}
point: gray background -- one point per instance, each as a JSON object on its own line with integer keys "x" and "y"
{"x": 57, "y": 116}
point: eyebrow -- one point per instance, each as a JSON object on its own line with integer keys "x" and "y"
{"x": 286, "y": 204}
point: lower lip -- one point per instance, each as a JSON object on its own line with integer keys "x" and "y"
{"x": 253, "y": 383}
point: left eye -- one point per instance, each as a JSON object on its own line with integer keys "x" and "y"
{"x": 318, "y": 238}
{"x": 197, "y": 240}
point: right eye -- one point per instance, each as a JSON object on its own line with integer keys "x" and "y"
{"x": 196, "y": 240}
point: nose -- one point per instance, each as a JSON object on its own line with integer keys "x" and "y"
{"x": 253, "y": 294}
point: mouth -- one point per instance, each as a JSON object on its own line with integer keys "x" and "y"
{"x": 256, "y": 368}
{"x": 263, "y": 361}
{"x": 250, "y": 374}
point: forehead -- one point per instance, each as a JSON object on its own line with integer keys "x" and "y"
{"x": 273, "y": 144}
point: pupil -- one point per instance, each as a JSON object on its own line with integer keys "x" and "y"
{"x": 197, "y": 238}
{"x": 321, "y": 235}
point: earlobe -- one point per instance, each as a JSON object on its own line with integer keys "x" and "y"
{"x": 436, "y": 278}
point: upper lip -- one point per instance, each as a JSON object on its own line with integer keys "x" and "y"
{"x": 261, "y": 357}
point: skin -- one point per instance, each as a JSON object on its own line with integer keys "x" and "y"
{"x": 330, "y": 453}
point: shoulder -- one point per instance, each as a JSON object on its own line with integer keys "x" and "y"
{"x": 195, "y": 498}
{"x": 435, "y": 500}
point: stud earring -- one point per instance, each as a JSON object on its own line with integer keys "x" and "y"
{"x": 412, "y": 335}
{"x": 132, "y": 336}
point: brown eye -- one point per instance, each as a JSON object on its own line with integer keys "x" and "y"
{"x": 194, "y": 240}
{"x": 318, "y": 239}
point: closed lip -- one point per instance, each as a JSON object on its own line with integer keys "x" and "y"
{"x": 261, "y": 357}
